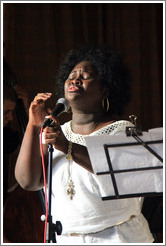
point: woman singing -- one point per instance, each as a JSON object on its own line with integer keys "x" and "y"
{"x": 95, "y": 82}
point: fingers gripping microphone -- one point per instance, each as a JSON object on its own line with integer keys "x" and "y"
{"x": 62, "y": 105}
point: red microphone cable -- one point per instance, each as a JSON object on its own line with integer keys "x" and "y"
{"x": 45, "y": 185}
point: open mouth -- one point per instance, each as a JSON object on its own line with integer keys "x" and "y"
{"x": 73, "y": 88}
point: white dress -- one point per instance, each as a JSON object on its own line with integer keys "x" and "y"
{"x": 86, "y": 218}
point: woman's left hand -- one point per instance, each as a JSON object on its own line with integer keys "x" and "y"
{"x": 54, "y": 135}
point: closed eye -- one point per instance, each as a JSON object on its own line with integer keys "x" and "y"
{"x": 83, "y": 75}
{"x": 72, "y": 76}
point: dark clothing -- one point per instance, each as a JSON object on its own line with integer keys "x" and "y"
{"x": 153, "y": 211}
{"x": 10, "y": 144}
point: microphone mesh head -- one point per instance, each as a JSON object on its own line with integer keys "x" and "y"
{"x": 65, "y": 102}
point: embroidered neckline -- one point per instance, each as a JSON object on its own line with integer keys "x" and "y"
{"x": 106, "y": 130}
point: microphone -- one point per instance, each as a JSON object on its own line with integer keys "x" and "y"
{"x": 62, "y": 105}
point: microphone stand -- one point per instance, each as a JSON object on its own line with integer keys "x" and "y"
{"x": 51, "y": 228}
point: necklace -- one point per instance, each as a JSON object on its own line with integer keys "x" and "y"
{"x": 70, "y": 184}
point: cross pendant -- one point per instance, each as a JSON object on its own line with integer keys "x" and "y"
{"x": 70, "y": 190}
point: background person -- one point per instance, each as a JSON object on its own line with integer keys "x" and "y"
{"x": 10, "y": 137}
{"x": 12, "y": 95}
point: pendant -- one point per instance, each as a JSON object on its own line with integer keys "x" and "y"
{"x": 70, "y": 190}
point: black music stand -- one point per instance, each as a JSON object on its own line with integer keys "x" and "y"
{"x": 126, "y": 182}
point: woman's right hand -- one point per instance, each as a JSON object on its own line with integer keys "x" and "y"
{"x": 37, "y": 111}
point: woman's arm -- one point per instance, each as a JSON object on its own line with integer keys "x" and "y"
{"x": 55, "y": 136}
{"x": 80, "y": 155}
{"x": 28, "y": 170}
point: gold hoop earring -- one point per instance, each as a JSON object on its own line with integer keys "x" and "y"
{"x": 105, "y": 103}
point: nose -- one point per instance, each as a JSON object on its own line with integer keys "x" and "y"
{"x": 77, "y": 80}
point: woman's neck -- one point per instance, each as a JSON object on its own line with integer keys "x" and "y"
{"x": 87, "y": 123}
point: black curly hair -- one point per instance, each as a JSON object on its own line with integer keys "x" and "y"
{"x": 109, "y": 67}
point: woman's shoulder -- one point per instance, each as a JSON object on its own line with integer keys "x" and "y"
{"x": 113, "y": 127}
{"x": 107, "y": 128}
{"x": 66, "y": 124}
{"x": 66, "y": 128}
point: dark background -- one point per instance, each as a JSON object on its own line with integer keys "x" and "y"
{"x": 36, "y": 35}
